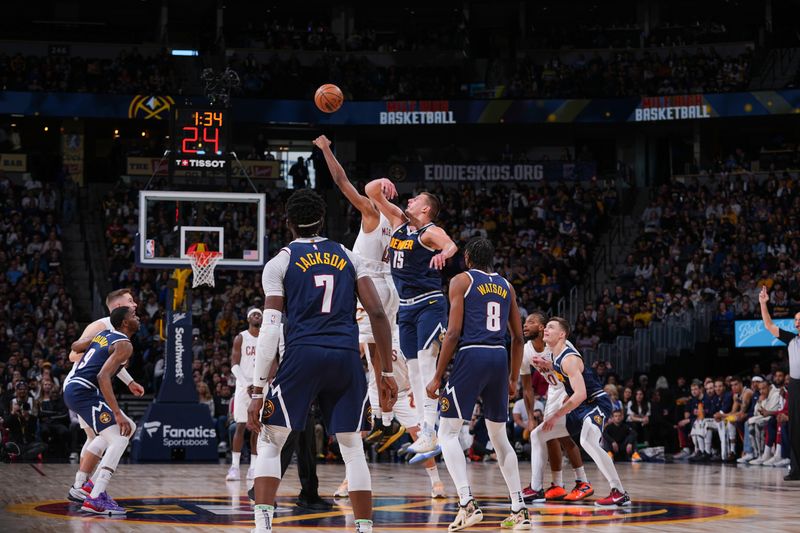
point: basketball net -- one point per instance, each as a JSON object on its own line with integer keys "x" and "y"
{"x": 203, "y": 264}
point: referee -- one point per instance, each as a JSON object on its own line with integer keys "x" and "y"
{"x": 792, "y": 340}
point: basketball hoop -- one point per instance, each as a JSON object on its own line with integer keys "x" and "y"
{"x": 203, "y": 265}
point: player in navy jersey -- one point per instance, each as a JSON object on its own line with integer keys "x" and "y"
{"x": 587, "y": 408}
{"x": 88, "y": 392}
{"x": 418, "y": 251}
{"x": 483, "y": 306}
{"x": 316, "y": 281}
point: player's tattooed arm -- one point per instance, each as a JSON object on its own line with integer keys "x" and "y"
{"x": 381, "y": 191}
{"x": 120, "y": 353}
{"x": 438, "y": 239}
{"x": 458, "y": 287}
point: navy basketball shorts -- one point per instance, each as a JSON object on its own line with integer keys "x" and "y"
{"x": 597, "y": 410}
{"x": 422, "y": 324}
{"x": 90, "y": 405}
{"x": 335, "y": 376}
{"x": 477, "y": 371}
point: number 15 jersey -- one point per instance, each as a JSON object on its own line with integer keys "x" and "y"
{"x": 317, "y": 278}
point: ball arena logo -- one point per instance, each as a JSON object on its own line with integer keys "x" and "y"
{"x": 659, "y": 108}
{"x": 417, "y": 112}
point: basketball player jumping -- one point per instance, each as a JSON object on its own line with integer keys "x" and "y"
{"x": 88, "y": 392}
{"x": 418, "y": 251}
{"x": 587, "y": 408}
{"x": 93, "y": 448}
{"x": 483, "y": 306}
{"x": 317, "y": 281}
{"x": 243, "y": 358}
{"x": 372, "y": 246}
{"x": 533, "y": 328}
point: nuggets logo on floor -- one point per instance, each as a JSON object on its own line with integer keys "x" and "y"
{"x": 399, "y": 511}
{"x": 105, "y": 418}
{"x": 445, "y": 404}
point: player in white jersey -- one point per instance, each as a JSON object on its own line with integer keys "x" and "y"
{"x": 553, "y": 440}
{"x": 243, "y": 359}
{"x": 94, "y": 448}
{"x": 371, "y": 246}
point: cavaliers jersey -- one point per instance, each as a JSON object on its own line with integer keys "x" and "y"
{"x": 317, "y": 278}
{"x": 107, "y": 323}
{"x": 593, "y": 386}
{"x": 85, "y": 371}
{"x": 410, "y": 263}
{"x": 486, "y": 306}
{"x": 554, "y": 384}
{"x": 373, "y": 247}
{"x": 248, "y": 360}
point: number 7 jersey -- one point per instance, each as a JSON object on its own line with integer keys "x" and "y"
{"x": 317, "y": 278}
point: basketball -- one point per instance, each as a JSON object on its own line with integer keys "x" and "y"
{"x": 328, "y": 98}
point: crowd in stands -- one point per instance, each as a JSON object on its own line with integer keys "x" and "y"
{"x": 624, "y": 73}
{"x": 37, "y": 320}
{"x": 129, "y": 73}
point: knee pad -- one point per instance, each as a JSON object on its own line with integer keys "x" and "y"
{"x": 270, "y": 442}
{"x": 355, "y": 462}
{"x": 449, "y": 428}
{"x": 97, "y": 446}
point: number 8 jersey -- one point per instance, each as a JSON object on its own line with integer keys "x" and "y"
{"x": 486, "y": 307}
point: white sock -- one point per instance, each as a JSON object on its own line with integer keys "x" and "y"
{"x": 101, "y": 482}
{"x": 386, "y": 418}
{"x": 464, "y": 495}
{"x": 433, "y": 473}
{"x": 558, "y": 477}
{"x": 80, "y": 479}
{"x": 253, "y": 458}
{"x": 517, "y": 502}
{"x": 363, "y": 525}
{"x": 264, "y": 514}
{"x": 235, "y": 458}
{"x": 580, "y": 474}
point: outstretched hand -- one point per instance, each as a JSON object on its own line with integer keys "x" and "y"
{"x": 763, "y": 296}
{"x": 321, "y": 142}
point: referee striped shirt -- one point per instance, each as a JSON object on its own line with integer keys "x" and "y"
{"x": 792, "y": 340}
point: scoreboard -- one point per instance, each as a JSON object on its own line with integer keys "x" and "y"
{"x": 200, "y": 138}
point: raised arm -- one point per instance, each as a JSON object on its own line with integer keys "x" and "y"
{"x": 121, "y": 352}
{"x": 438, "y": 239}
{"x": 458, "y": 286}
{"x": 763, "y": 299}
{"x": 381, "y": 191}
{"x": 370, "y": 215}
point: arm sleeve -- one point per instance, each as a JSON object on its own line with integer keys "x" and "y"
{"x": 786, "y": 336}
{"x": 274, "y": 272}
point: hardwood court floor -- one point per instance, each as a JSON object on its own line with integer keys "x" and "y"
{"x": 181, "y": 497}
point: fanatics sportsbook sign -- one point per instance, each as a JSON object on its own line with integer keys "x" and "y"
{"x": 661, "y": 108}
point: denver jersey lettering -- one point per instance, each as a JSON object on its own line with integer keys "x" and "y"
{"x": 410, "y": 263}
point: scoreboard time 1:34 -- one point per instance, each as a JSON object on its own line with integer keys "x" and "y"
{"x": 200, "y": 132}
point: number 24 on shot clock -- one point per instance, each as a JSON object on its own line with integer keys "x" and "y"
{"x": 200, "y": 131}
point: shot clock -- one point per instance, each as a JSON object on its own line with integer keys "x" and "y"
{"x": 199, "y": 133}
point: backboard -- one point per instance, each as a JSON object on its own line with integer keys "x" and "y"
{"x": 172, "y": 221}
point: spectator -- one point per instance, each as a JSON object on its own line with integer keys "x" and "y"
{"x": 619, "y": 439}
{"x": 53, "y": 420}
{"x": 639, "y": 412}
{"x": 299, "y": 174}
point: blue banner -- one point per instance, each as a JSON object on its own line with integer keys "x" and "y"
{"x": 419, "y": 112}
{"x": 178, "y": 385}
{"x": 753, "y": 334}
{"x": 170, "y": 432}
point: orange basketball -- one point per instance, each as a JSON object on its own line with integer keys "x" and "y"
{"x": 328, "y": 98}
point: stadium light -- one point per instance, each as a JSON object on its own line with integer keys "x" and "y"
{"x": 184, "y": 52}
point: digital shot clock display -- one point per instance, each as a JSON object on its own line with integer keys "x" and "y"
{"x": 199, "y": 133}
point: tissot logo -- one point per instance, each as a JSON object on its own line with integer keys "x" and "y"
{"x": 151, "y": 427}
{"x": 201, "y": 163}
